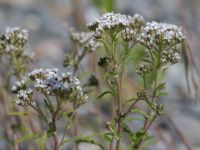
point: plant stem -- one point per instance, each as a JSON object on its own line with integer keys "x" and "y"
{"x": 111, "y": 145}
{"x": 56, "y": 141}
{"x": 54, "y": 128}
{"x": 147, "y": 126}
{"x": 68, "y": 124}
{"x": 76, "y": 129}
{"x": 118, "y": 115}
{"x": 130, "y": 108}
{"x": 74, "y": 105}
{"x": 119, "y": 95}
{"x": 144, "y": 80}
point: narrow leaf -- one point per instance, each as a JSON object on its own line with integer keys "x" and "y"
{"x": 17, "y": 113}
{"x": 27, "y": 137}
{"x": 104, "y": 93}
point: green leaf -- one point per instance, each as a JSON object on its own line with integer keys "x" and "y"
{"x": 136, "y": 110}
{"x": 137, "y": 137}
{"x": 17, "y": 113}
{"x": 82, "y": 139}
{"x": 42, "y": 141}
{"x": 127, "y": 130}
{"x": 27, "y": 137}
{"x": 149, "y": 140}
{"x": 104, "y": 93}
{"x": 104, "y": 5}
{"x": 162, "y": 94}
{"x": 107, "y": 136}
{"x": 122, "y": 147}
{"x": 130, "y": 100}
{"x": 90, "y": 141}
{"x": 161, "y": 86}
{"x": 67, "y": 113}
{"x": 128, "y": 119}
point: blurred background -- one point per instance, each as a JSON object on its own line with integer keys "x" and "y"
{"x": 49, "y": 22}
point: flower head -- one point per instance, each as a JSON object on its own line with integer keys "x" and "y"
{"x": 170, "y": 57}
{"x": 48, "y": 82}
{"x": 155, "y": 34}
{"x": 13, "y": 41}
{"x": 128, "y": 34}
{"x": 85, "y": 40}
{"x": 114, "y": 22}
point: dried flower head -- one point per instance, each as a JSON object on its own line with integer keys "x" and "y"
{"x": 155, "y": 34}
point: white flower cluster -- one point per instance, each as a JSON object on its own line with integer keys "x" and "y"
{"x": 18, "y": 86}
{"x": 74, "y": 84}
{"x": 24, "y": 95}
{"x": 47, "y": 81}
{"x": 43, "y": 73}
{"x": 85, "y": 40}
{"x": 155, "y": 34}
{"x": 14, "y": 40}
{"x": 114, "y": 22}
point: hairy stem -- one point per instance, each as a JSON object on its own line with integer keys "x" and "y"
{"x": 67, "y": 126}
{"x": 146, "y": 128}
{"x": 118, "y": 115}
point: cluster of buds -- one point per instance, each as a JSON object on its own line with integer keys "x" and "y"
{"x": 170, "y": 56}
{"x": 46, "y": 81}
{"x": 142, "y": 95}
{"x": 143, "y": 69}
{"x": 155, "y": 34}
{"x": 85, "y": 40}
{"x": 115, "y": 22}
{"x": 128, "y": 34}
{"x": 158, "y": 108}
{"x": 13, "y": 41}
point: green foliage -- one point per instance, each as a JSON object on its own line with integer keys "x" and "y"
{"x": 104, "y": 5}
{"x": 105, "y": 93}
{"x": 85, "y": 139}
{"x": 42, "y": 141}
{"x": 28, "y": 136}
{"x": 20, "y": 114}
